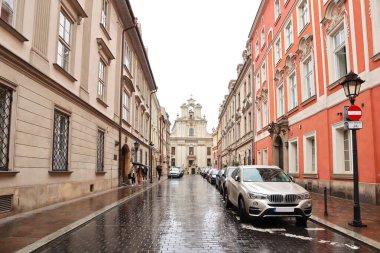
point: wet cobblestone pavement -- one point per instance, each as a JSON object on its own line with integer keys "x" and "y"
{"x": 188, "y": 215}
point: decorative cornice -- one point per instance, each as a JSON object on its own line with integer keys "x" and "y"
{"x": 104, "y": 48}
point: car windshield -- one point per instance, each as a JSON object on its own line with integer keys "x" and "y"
{"x": 264, "y": 175}
{"x": 214, "y": 172}
{"x": 174, "y": 169}
{"x": 229, "y": 171}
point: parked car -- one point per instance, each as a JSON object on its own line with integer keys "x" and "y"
{"x": 227, "y": 173}
{"x": 212, "y": 176}
{"x": 182, "y": 171}
{"x": 218, "y": 178}
{"x": 266, "y": 191}
{"x": 205, "y": 175}
{"x": 174, "y": 172}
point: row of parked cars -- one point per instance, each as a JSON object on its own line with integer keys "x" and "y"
{"x": 260, "y": 191}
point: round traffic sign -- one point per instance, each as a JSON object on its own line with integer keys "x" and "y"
{"x": 354, "y": 112}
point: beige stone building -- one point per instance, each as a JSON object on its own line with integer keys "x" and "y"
{"x": 76, "y": 90}
{"x": 190, "y": 142}
{"x": 235, "y": 128}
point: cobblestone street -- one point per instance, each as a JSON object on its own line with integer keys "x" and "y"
{"x": 188, "y": 215}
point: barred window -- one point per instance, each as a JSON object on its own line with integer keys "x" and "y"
{"x": 5, "y": 121}
{"x": 100, "y": 152}
{"x": 60, "y": 141}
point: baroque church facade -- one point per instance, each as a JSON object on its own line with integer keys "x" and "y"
{"x": 190, "y": 142}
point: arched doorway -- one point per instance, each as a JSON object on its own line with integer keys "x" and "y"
{"x": 126, "y": 161}
{"x": 278, "y": 152}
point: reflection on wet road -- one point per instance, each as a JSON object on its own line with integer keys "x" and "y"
{"x": 188, "y": 215}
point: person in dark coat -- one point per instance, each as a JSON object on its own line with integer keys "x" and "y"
{"x": 159, "y": 171}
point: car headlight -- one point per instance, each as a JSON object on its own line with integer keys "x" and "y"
{"x": 304, "y": 196}
{"x": 253, "y": 195}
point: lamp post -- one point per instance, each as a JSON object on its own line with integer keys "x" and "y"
{"x": 351, "y": 85}
{"x": 151, "y": 144}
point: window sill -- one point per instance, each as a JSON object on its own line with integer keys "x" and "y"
{"x": 105, "y": 31}
{"x": 303, "y": 29}
{"x": 57, "y": 172}
{"x": 262, "y": 47}
{"x": 127, "y": 69}
{"x": 295, "y": 174}
{"x": 8, "y": 173}
{"x": 309, "y": 100}
{"x": 289, "y": 47}
{"x": 292, "y": 110}
{"x": 126, "y": 122}
{"x": 376, "y": 57}
{"x": 336, "y": 83}
{"x": 310, "y": 175}
{"x": 64, "y": 72}
{"x": 100, "y": 173}
{"x": 12, "y": 31}
{"x": 286, "y": 3}
{"x": 100, "y": 101}
{"x": 277, "y": 19}
{"x": 343, "y": 176}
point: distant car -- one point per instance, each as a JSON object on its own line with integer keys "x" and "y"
{"x": 212, "y": 176}
{"x": 174, "y": 172}
{"x": 266, "y": 191}
{"x": 227, "y": 173}
{"x": 218, "y": 178}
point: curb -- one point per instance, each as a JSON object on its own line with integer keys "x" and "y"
{"x": 352, "y": 234}
{"x": 45, "y": 240}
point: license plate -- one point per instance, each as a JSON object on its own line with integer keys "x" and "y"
{"x": 284, "y": 210}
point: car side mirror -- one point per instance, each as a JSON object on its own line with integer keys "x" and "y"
{"x": 292, "y": 178}
{"x": 237, "y": 178}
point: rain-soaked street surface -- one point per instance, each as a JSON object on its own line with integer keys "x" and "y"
{"x": 188, "y": 215}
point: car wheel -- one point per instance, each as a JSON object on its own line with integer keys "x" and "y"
{"x": 228, "y": 202}
{"x": 242, "y": 212}
{"x": 302, "y": 220}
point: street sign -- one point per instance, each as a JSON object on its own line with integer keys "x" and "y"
{"x": 350, "y": 125}
{"x": 354, "y": 113}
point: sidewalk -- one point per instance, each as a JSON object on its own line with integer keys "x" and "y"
{"x": 26, "y": 232}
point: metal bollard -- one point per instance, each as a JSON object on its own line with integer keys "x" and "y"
{"x": 325, "y": 195}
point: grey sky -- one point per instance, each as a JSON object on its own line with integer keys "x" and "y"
{"x": 194, "y": 47}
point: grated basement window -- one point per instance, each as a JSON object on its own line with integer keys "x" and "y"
{"x": 6, "y": 203}
{"x": 100, "y": 152}
{"x": 5, "y": 121}
{"x": 60, "y": 141}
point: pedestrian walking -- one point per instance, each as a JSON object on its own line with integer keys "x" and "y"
{"x": 145, "y": 173}
{"x": 133, "y": 177}
{"x": 159, "y": 170}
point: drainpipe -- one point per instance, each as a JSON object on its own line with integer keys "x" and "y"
{"x": 150, "y": 135}
{"x": 121, "y": 175}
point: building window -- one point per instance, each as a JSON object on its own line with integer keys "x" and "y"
{"x": 100, "y": 152}
{"x": 265, "y": 113}
{"x": 104, "y": 12}
{"x": 342, "y": 149}
{"x": 259, "y": 162}
{"x": 60, "y": 141}
{"x": 173, "y": 162}
{"x": 191, "y": 150}
{"x": 340, "y": 53}
{"x": 125, "y": 106}
{"x": 262, "y": 37}
{"x": 308, "y": 79}
{"x": 257, "y": 48}
{"x": 141, "y": 156}
{"x": 5, "y": 125}
{"x": 208, "y": 162}
{"x": 137, "y": 116}
{"x": 375, "y": 17}
{"x": 8, "y": 11}
{"x": 293, "y": 156}
{"x": 303, "y": 15}
{"x": 288, "y": 35}
{"x": 208, "y": 150}
{"x": 277, "y": 11}
{"x": 263, "y": 73}
{"x": 292, "y": 83}
{"x": 64, "y": 39}
{"x": 141, "y": 130}
{"x": 173, "y": 150}
{"x": 265, "y": 157}
{"x": 191, "y": 131}
{"x": 278, "y": 51}
{"x": 102, "y": 80}
{"x": 258, "y": 80}
{"x": 310, "y": 154}
{"x": 280, "y": 100}
{"x": 258, "y": 119}
{"x": 127, "y": 56}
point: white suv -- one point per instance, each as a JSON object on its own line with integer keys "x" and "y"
{"x": 266, "y": 191}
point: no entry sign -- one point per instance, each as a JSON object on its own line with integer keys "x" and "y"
{"x": 354, "y": 113}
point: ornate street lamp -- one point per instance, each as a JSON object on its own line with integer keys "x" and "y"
{"x": 351, "y": 84}
{"x": 151, "y": 145}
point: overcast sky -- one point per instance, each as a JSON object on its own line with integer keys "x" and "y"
{"x": 194, "y": 47}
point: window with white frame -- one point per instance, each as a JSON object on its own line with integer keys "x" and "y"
{"x": 293, "y": 156}
{"x": 375, "y": 17}
{"x": 64, "y": 41}
{"x": 262, "y": 37}
{"x": 263, "y": 73}
{"x": 265, "y": 157}
{"x": 127, "y": 56}
{"x": 308, "y": 79}
{"x": 259, "y": 162}
{"x": 258, "y": 116}
{"x": 125, "y": 106}
{"x": 310, "y": 153}
{"x": 277, "y": 11}
{"x": 257, "y": 48}
{"x": 258, "y": 80}
{"x": 292, "y": 96}
{"x": 136, "y": 116}
{"x": 280, "y": 99}
{"x": 265, "y": 113}
{"x": 303, "y": 15}
{"x": 339, "y": 51}
{"x": 288, "y": 35}
{"x": 278, "y": 52}
{"x": 342, "y": 149}
{"x": 105, "y": 6}
{"x": 8, "y": 11}
{"x": 102, "y": 80}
